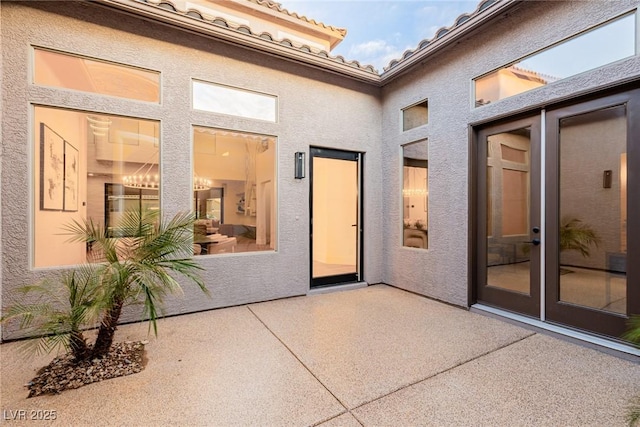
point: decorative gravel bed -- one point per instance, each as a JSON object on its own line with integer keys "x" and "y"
{"x": 62, "y": 373}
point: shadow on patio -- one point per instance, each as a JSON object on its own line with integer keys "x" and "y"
{"x": 372, "y": 356}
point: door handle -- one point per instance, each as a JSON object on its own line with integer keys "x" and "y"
{"x": 534, "y": 242}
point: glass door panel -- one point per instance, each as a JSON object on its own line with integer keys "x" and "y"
{"x": 508, "y": 178}
{"x": 593, "y": 187}
{"x": 592, "y": 223}
{"x": 335, "y": 217}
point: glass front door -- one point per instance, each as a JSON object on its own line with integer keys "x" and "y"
{"x": 335, "y": 221}
{"x": 591, "y": 200}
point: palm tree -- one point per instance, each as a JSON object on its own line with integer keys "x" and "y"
{"x": 60, "y": 311}
{"x": 136, "y": 267}
{"x": 577, "y": 235}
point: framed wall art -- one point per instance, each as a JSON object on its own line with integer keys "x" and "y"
{"x": 70, "y": 178}
{"x": 51, "y": 169}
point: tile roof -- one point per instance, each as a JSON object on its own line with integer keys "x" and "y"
{"x": 241, "y": 28}
{"x": 278, "y": 7}
{"x": 484, "y": 4}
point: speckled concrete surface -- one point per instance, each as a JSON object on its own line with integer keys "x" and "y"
{"x": 366, "y": 343}
{"x": 371, "y": 356}
{"x": 539, "y": 381}
{"x": 219, "y": 367}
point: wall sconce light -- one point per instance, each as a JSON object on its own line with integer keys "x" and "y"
{"x": 299, "y": 165}
{"x": 606, "y": 178}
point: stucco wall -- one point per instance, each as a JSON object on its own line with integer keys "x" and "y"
{"x": 315, "y": 108}
{"x": 446, "y": 80}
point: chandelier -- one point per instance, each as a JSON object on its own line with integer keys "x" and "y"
{"x": 142, "y": 181}
{"x": 200, "y": 183}
{"x": 151, "y": 181}
{"x": 148, "y": 181}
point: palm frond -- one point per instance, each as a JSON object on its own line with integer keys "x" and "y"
{"x": 576, "y": 235}
{"x": 633, "y": 330}
{"x": 633, "y": 412}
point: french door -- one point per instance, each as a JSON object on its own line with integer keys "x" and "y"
{"x": 578, "y": 264}
{"x": 336, "y": 217}
{"x": 509, "y": 230}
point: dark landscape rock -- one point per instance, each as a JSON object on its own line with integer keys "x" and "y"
{"x": 62, "y": 373}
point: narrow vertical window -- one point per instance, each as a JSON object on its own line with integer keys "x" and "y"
{"x": 415, "y": 194}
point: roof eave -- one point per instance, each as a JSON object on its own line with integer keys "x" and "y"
{"x": 232, "y": 36}
{"x": 447, "y": 40}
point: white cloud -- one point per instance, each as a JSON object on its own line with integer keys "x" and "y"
{"x": 370, "y": 48}
{"x": 376, "y": 52}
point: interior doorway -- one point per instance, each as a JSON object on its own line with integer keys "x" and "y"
{"x": 336, "y": 217}
{"x": 557, "y": 214}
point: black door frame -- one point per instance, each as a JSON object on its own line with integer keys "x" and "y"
{"x": 343, "y": 278}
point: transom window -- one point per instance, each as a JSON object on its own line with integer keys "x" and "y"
{"x": 599, "y": 46}
{"x": 415, "y": 115}
{"x": 221, "y": 99}
{"x": 74, "y": 72}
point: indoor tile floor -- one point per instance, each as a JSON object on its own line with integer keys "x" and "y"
{"x": 372, "y": 356}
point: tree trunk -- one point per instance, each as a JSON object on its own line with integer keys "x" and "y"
{"x": 107, "y": 330}
{"x": 79, "y": 347}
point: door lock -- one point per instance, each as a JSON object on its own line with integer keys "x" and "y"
{"x": 536, "y": 229}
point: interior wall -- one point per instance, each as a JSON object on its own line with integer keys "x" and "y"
{"x": 49, "y": 232}
{"x": 582, "y": 194}
{"x": 335, "y": 195}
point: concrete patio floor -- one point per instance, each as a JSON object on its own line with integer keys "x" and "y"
{"x": 371, "y": 356}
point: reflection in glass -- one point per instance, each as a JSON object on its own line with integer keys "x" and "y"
{"x": 81, "y": 174}
{"x": 88, "y": 75}
{"x": 593, "y": 209}
{"x": 586, "y": 51}
{"x": 235, "y": 102}
{"x": 415, "y": 194}
{"x": 335, "y": 217}
{"x": 416, "y": 115}
{"x": 508, "y": 199}
{"x": 237, "y": 209}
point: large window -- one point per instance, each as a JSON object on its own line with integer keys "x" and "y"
{"x": 66, "y": 71}
{"x": 602, "y": 45}
{"x": 415, "y": 194}
{"x": 88, "y": 166}
{"x": 234, "y": 191}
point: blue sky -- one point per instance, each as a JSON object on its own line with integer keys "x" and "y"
{"x": 379, "y": 31}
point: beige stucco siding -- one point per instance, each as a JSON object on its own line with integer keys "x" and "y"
{"x": 315, "y": 108}
{"x": 446, "y": 80}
